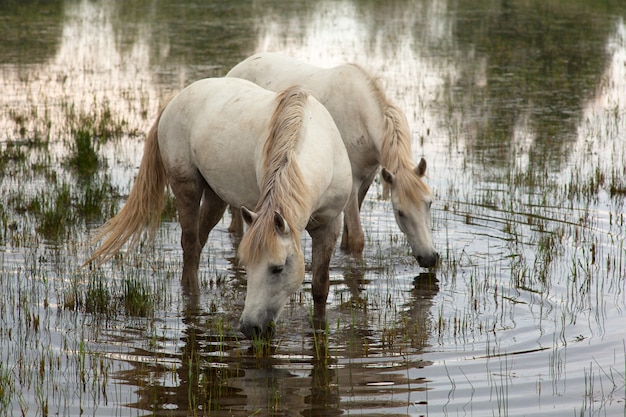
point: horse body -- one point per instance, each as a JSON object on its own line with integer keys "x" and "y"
{"x": 228, "y": 141}
{"x": 375, "y": 133}
{"x": 342, "y": 90}
{"x": 225, "y": 150}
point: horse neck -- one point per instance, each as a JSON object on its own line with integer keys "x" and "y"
{"x": 277, "y": 195}
{"x": 385, "y": 123}
{"x": 293, "y": 205}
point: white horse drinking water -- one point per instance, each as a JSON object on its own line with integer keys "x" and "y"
{"x": 375, "y": 133}
{"x": 228, "y": 141}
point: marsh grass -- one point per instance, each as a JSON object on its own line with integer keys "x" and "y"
{"x": 139, "y": 298}
{"x": 83, "y": 156}
{"x": 12, "y": 153}
{"x": 94, "y": 198}
{"x": 88, "y": 131}
{"x": 99, "y": 297}
{"x": 108, "y": 299}
{"x": 7, "y": 388}
{"x": 49, "y": 198}
{"x": 59, "y": 200}
{"x": 32, "y": 128}
{"x": 617, "y": 185}
{"x": 54, "y": 212}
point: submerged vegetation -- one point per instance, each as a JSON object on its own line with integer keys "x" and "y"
{"x": 88, "y": 131}
{"x": 60, "y": 200}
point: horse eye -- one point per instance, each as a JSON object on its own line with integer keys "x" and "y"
{"x": 276, "y": 269}
{"x": 400, "y": 213}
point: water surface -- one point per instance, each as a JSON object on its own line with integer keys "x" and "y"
{"x": 519, "y": 109}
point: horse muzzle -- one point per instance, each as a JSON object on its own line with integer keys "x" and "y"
{"x": 428, "y": 261}
{"x": 256, "y": 331}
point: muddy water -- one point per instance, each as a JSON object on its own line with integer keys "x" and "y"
{"x": 518, "y": 108}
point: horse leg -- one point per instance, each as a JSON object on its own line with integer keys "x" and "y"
{"x": 188, "y": 194}
{"x": 353, "y": 239}
{"x": 365, "y": 186}
{"x": 211, "y": 211}
{"x": 323, "y": 240}
{"x": 236, "y": 222}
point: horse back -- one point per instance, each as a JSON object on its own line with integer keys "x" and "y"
{"x": 218, "y": 127}
{"x": 345, "y": 90}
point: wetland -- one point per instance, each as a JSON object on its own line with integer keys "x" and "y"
{"x": 518, "y": 106}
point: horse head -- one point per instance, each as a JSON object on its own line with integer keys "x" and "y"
{"x": 274, "y": 262}
{"x": 411, "y": 200}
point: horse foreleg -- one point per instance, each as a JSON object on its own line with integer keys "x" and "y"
{"x": 323, "y": 241}
{"x": 211, "y": 211}
{"x": 188, "y": 195}
{"x": 353, "y": 239}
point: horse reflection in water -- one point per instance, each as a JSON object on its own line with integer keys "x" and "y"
{"x": 210, "y": 373}
{"x": 375, "y": 132}
{"x": 228, "y": 141}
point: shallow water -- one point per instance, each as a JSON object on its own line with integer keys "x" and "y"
{"x": 519, "y": 109}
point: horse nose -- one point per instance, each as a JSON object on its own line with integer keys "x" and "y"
{"x": 254, "y": 331}
{"x": 249, "y": 330}
{"x": 428, "y": 261}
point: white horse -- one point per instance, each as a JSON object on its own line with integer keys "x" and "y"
{"x": 228, "y": 141}
{"x": 375, "y": 133}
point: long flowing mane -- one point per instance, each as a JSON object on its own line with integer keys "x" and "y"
{"x": 283, "y": 188}
{"x": 395, "y": 148}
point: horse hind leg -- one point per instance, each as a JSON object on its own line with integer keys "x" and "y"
{"x": 365, "y": 186}
{"x": 211, "y": 211}
{"x": 188, "y": 193}
{"x": 236, "y": 222}
{"x": 353, "y": 239}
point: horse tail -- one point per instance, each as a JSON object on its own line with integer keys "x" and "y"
{"x": 142, "y": 209}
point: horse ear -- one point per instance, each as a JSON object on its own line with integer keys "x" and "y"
{"x": 387, "y": 175}
{"x": 248, "y": 215}
{"x": 420, "y": 169}
{"x": 280, "y": 224}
